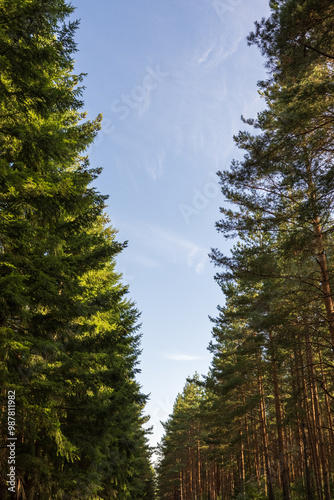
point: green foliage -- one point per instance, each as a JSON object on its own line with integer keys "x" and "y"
{"x": 69, "y": 336}
{"x": 268, "y": 397}
{"x": 183, "y": 435}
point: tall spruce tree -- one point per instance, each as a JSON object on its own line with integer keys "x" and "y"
{"x": 69, "y": 341}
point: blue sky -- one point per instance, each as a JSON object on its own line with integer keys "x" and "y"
{"x": 172, "y": 78}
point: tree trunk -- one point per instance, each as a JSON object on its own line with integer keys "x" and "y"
{"x": 310, "y": 418}
{"x": 284, "y": 469}
{"x": 301, "y": 402}
{"x": 242, "y": 463}
{"x": 328, "y": 407}
{"x": 263, "y": 421}
{"x": 321, "y": 258}
{"x": 325, "y": 279}
{"x": 318, "y": 423}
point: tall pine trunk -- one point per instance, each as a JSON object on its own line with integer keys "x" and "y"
{"x": 263, "y": 422}
{"x": 284, "y": 468}
{"x": 318, "y": 422}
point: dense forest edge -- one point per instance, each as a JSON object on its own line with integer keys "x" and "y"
{"x": 71, "y": 409}
{"x": 259, "y": 425}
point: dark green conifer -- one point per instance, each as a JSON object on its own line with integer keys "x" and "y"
{"x": 69, "y": 341}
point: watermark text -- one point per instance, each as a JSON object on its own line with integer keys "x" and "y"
{"x": 11, "y": 442}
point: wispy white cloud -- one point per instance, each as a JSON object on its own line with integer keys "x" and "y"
{"x": 191, "y": 256}
{"x": 203, "y": 58}
{"x": 200, "y": 267}
{"x": 182, "y": 357}
{"x": 169, "y": 244}
{"x": 157, "y": 245}
{"x": 145, "y": 261}
{"x": 213, "y": 55}
{"x": 155, "y": 167}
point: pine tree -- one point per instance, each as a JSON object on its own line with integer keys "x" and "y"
{"x": 181, "y": 469}
{"x": 283, "y": 188}
{"x": 269, "y": 393}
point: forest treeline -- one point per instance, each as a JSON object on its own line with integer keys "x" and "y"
{"x": 69, "y": 342}
{"x": 259, "y": 425}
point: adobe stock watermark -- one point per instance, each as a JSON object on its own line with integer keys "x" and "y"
{"x": 161, "y": 411}
{"x": 224, "y": 6}
{"x": 11, "y": 440}
{"x": 122, "y": 107}
{"x": 201, "y": 198}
